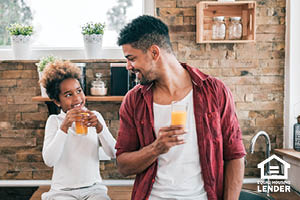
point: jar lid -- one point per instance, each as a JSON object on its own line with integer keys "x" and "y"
{"x": 98, "y": 82}
{"x": 218, "y": 18}
{"x": 235, "y": 18}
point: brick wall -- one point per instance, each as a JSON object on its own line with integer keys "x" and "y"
{"x": 22, "y": 121}
{"x": 254, "y": 72}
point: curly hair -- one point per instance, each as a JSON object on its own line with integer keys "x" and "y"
{"x": 56, "y": 72}
{"x": 145, "y": 31}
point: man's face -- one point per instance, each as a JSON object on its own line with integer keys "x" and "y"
{"x": 140, "y": 63}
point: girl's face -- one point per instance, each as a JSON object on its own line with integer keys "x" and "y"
{"x": 71, "y": 95}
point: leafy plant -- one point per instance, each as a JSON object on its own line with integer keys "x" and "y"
{"x": 19, "y": 29}
{"x": 44, "y": 61}
{"x": 92, "y": 28}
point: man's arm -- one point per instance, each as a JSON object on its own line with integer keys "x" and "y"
{"x": 234, "y": 174}
{"x": 130, "y": 163}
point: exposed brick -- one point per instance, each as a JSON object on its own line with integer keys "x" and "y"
{"x": 7, "y": 158}
{"x": 42, "y": 175}
{"x": 28, "y": 157}
{"x": 272, "y": 37}
{"x": 183, "y": 28}
{"x": 30, "y": 166}
{"x": 177, "y": 12}
{"x": 187, "y": 3}
{"x": 3, "y": 100}
{"x": 15, "y": 74}
{"x": 259, "y": 106}
{"x": 4, "y": 126}
{"x": 8, "y": 83}
{"x": 268, "y": 122}
{"x": 22, "y": 99}
{"x": 34, "y": 116}
{"x": 165, "y": 3}
{"x": 17, "y": 142}
{"x": 270, "y": 28}
{"x": 25, "y": 83}
{"x": 18, "y": 175}
{"x": 23, "y": 108}
{"x": 174, "y": 20}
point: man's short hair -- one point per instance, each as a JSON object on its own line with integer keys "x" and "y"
{"x": 144, "y": 32}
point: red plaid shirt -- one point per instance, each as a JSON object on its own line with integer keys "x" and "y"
{"x": 218, "y": 132}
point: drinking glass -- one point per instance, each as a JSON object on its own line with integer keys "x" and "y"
{"x": 80, "y": 128}
{"x": 178, "y": 113}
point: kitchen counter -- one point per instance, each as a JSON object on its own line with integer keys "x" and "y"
{"x": 276, "y": 195}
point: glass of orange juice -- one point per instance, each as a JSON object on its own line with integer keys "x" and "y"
{"x": 178, "y": 113}
{"x": 80, "y": 128}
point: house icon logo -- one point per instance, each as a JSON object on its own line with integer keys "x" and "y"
{"x": 274, "y": 170}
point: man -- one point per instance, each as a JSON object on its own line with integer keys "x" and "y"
{"x": 175, "y": 162}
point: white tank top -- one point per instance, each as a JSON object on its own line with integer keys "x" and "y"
{"x": 179, "y": 172}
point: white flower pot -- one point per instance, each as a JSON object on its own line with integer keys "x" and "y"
{"x": 43, "y": 90}
{"x": 93, "y": 46}
{"x": 21, "y": 46}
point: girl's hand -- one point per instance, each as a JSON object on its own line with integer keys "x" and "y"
{"x": 92, "y": 121}
{"x": 71, "y": 116}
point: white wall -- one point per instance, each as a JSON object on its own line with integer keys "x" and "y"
{"x": 292, "y": 70}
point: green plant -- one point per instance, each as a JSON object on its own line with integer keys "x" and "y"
{"x": 44, "y": 61}
{"x": 92, "y": 28}
{"x": 19, "y": 29}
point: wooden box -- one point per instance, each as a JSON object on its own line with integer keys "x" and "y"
{"x": 206, "y": 10}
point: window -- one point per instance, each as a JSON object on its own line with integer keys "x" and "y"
{"x": 58, "y": 24}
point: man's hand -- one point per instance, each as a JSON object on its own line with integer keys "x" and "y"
{"x": 135, "y": 162}
{"x": 168, "y": 137}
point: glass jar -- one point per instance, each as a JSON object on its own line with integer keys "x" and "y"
{"x": 235, "y": 28}
{"x": 218, "y": 28}
{"x": 98, "y": 86}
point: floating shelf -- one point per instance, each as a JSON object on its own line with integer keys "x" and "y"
{"x": 206, "y": 10}
{"x": 88, "y": 98}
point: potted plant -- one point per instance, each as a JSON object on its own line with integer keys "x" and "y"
{"x": 92, "y": 37}
{"x": 20, "y": 40}
{"x": 41, "y": 66}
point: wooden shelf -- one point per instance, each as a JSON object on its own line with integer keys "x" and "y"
{"x": 206, "y": 10}
{"x": 88, "y": 98}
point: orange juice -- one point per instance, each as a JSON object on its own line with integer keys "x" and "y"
{"x": 178, "y": 118}
{"x": 80, "y": 128}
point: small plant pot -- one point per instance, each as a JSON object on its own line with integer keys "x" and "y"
{"x": 93, "y": 46}
{"x": 43, "y": 90}
{"x": 21, "y": 46}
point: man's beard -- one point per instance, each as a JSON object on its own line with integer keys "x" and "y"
{"x": 145, "y": 81}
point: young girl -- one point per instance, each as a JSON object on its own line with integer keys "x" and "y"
{"x": 74, "y": 158}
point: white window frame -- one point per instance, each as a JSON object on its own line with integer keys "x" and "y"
{"x": 76, "y": 53}
{"x": 292, "y": 71}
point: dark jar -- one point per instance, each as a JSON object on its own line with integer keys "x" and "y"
{"x": 297, "y": 135}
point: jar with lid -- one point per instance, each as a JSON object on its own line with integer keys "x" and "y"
{"x": 218, "y": 28}
{"x": 98, "y": 86}
{"x": 235, "y": 28}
